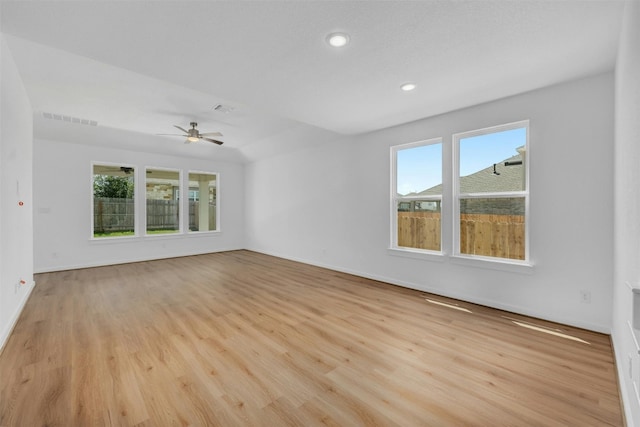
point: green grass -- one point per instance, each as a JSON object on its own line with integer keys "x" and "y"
{"x": 114, "y": 234}
{"x": 129, "y": 233}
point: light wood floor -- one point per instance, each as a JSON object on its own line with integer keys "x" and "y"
{"x": 243, "y": 339}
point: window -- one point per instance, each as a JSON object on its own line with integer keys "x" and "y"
{"x": 113, "y": 207}
{"x": 417, "y": 195}
{"x": 203, "y": 201}
{"x": 491, "y": 192}
{"x": 113, "y": 201}
{"x": 163, "y": 205}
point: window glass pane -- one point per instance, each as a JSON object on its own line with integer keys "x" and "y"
{"x": 493, "y": 227}
{"x": 202, "y": 201}
{"x": 419, "y": 173}
{"x": 113, "y": 201}
{"x": 162, "y": 194}
{"x": 419, "y": 170}
{"x": 493, "y": 162}
{"x": 419, "y": 224}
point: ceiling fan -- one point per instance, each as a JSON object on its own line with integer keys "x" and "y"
{"x": 194, "y": 134}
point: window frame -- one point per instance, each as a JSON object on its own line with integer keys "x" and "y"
{"x": 186, "y": 203}
{"x": 136, "y": 227}
{"x": 457, "y": 195}
{"x": 140, "y": 199}
{"x": 180, "y": 230}
{"x": 396, "y": 199}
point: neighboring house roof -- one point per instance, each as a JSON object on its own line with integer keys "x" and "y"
{"x": 484, "y": 181}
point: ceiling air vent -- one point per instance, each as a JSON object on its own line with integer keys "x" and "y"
{"x": 220, "y": 108}
{"x": 69, "y": 119}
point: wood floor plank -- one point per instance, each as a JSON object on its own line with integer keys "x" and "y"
{"x": 244, "y": 339}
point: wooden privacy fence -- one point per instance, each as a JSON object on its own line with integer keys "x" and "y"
{"x": 419, "y": 230}
{"x": 480, "y": 234}
{"x": 162, "y": 214}
{"x": 117, "y": 214}
{"x": 113, "y": 214}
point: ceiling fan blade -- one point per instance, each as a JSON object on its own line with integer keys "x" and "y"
{"x": 211, "y": 134}
{"x": 183, "y": 130}
{"x": 213, "y": 140}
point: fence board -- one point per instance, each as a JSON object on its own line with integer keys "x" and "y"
{"x": 113, "y": 214}
{"x": 487, "y": 235}
{"x": 162, "y": 214}
{"x": 419, "y": 231}
{"x": 500, "y": 240}
{"x": 516, "y": 240}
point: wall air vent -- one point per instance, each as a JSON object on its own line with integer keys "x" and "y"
{"x": 69, "y": 119}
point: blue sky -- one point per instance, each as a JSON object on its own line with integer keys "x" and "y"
{"x": 420, "y": 168}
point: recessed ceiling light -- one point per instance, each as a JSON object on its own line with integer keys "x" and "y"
{"x": 407, "y": 87}
{"x": 338, "y": 39}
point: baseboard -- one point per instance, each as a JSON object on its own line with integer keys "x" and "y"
{"x": 6, "y": 333}
{"x": 51, "y": 269}
{"x": 603, "y": 329}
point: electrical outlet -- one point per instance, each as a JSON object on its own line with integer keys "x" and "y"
{"x": 585, "y": 296}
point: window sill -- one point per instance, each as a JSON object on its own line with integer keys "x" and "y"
{"x": 111, "y": 240}
{"x": 163, "y": 236}
{"x": 203, "y": 233}
{"x": 522, "y": 267}
{"x": 168, "y": 236}
{"x": 417, "y": 254}
{"x": 513, "y": 266}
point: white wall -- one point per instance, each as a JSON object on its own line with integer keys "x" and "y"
{"x": 627, "y": 210}
{"x": 16, "y": 228}
{"x": 63, "y": 195}
{"x": 330, "y": 206}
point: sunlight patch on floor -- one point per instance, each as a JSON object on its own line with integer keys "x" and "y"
{"x": 550, "y": 331}
{"x": 444, "y": 304}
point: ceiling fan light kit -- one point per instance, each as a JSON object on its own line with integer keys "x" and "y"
{"x": 194, "y": 135}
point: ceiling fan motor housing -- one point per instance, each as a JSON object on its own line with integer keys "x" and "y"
{"x": 193, "y": 132}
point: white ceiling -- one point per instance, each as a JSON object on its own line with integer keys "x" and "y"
{"x": 144, "y": 66}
